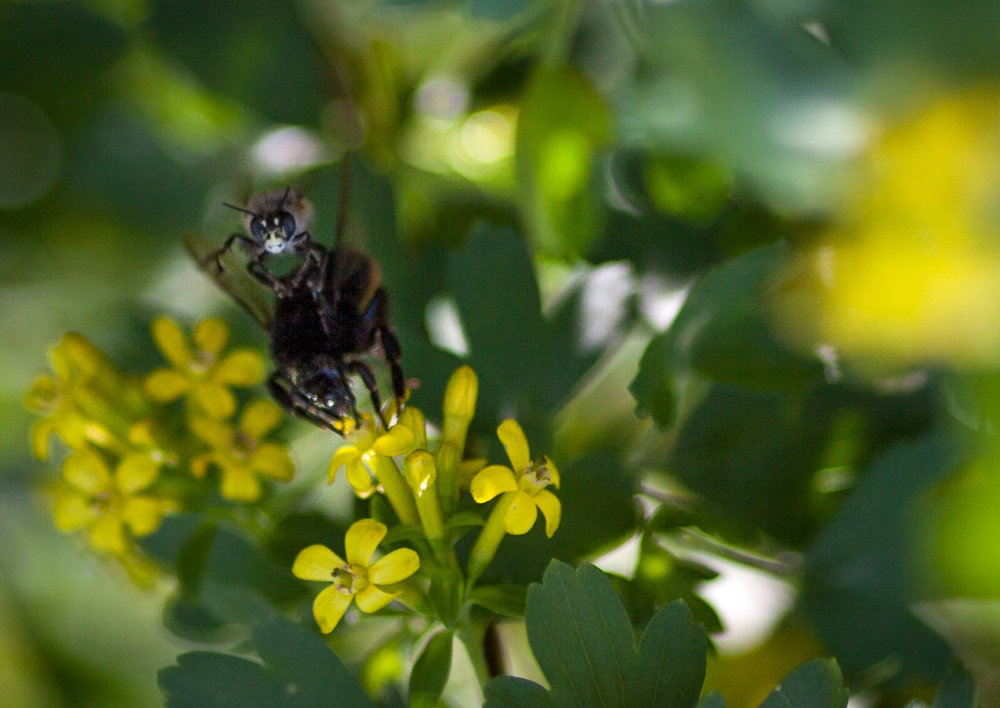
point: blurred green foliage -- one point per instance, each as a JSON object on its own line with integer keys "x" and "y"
{"x": 599, "y": 206}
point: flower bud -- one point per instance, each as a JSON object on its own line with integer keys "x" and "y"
{"x": 420, "y": 470}
{"x": 460, "y": 395}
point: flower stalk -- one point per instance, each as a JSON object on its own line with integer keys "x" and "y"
{"x": 396, "y": 489}
{"x": 421, "y": 473}
{"x": 489, "y": 540}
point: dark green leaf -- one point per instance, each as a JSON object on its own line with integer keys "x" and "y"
{"x": 204, "y": 679}
{"x": 582, "y": 638}
{"x": 311, "y": 675}
{"x": 508, "y": 600}
{"x": 713, "y": 699}
{"x": 958, "y": 690}
{"x": 672, "y": 659}
{"x": 446, "y": 593}
{"x": 430, "y": 672}
{"x": 815, "y": 684}
{"x": 511, "y": 692}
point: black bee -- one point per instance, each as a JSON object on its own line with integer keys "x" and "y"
{"x": 325, "y": 316}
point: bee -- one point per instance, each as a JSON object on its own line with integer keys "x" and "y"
{"x": 323, "y": 319}
{"x": 276, "y": 222}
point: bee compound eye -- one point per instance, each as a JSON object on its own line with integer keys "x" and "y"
{"x": 288, "y": 225}
{"x": 257, "y": 228}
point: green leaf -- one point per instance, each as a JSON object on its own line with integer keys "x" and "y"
{"x": 815, "y": 684}
{"x": 310, "y": 673}
{"x": 430, "y": 672}
{"x": 511, "y": 692}
{"x": 446, "y": 593}
{"x": 958, "y": 690}
{"x": 563, "y": 122}
{"x": 582, "y": 638}
{"x": 507, "y": 600}
{"x": 713, "y": 699}
{"x": 203, "y": 678}
{"x": 672, "y": 659}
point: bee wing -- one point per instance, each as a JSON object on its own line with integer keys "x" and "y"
{"x": 233, "y": 278}
{"x": 353, "y": 276}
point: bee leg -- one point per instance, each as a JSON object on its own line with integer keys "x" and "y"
{"x": 377, "y": 317}
{"x": 283, "y": 391}
{"x": 362, "y": 369}
{"x": 312, "y": 263}
{"x": 216, "y": 256}
{"x": 393, "y": 353}
{"x": 266, "y": 278}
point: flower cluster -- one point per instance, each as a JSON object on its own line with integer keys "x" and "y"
{"x": 425, "y": 490}
{"x": 124, "y": 471}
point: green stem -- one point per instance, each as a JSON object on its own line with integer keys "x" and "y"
{"x": 474, "y": 648}
{"x": 489, "y": 540}
{"x": 397, "y": 491}
{"x": 449, "y": 458}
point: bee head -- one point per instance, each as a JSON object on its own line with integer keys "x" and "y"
{"x": 276, "y": 218}
{"x": 330, "y": 391}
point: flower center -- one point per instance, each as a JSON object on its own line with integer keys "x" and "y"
{"x": 350, "y": 579}
{"x": 536, "y": 478}
{"x": 201, "y": 362}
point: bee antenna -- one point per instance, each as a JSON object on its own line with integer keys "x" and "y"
{"x": 236, "y": 208}
{"x": 283, "y": 198}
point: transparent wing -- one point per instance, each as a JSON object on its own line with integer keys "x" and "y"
{"x": 233, "y": 277}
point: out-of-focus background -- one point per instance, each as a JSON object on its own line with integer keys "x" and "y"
{"x": 769, "y": 227}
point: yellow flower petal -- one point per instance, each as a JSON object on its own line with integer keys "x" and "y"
{"x": 135, "y": 472}
{"x": 41, "y": 431}
{"x": 328, "y": 607}
{"x": 413, "y": 419}
{"x": 244, "y": 367}
{"x": 214, "y": 432}
{"x": 551, "y": 509}
{"x": 468, "y": 469}
{"x": 515, "y": 444}
{"x": 166, "y": 385}
{"x": 87, "y": 472}
{"x": 316, "y": 563}
{"x": 215, "y": 399}
{"x": 108, "y": 535}
{"x": 394, "y": 567}
{"x": 239, "y": 484}
{"x": 259, "y": 417}
{"x": 87, "y": 358}
{"x": 521, "y": 515}
{"x": 211, "y": 335}
{"x": 43, "y": 394}
{"x": 362, "y": 539}
{"x": 371, "y": 599}
{"x": 343, "y": 455}
{"x": 461, "y": 393}
{"x": 553, "y": 471}
{"x": 73, "y": 511}
{"x": 170, "y": 339}
{"x": 360, "y": 478}
{"x": 272, "y": 460}
{"x": 491, "y": 481}
{"x": 395, "y": 442}
{"x": 60, "y": 363}
{"x": 142, "y": 515}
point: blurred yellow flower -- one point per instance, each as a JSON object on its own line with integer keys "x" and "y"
{"x": 370, "y": 440}
{"x": 239, "y": 452}
{"x": 527, "y": 483}
{"x": 68, "y": 400}
{"x": 199, "y": 372}
{"x": 913, "y": 274}
{"x": 107, "y": 504}
{"x": 357, "y": 578}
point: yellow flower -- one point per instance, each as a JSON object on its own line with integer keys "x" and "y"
{"x": 239, "y": 452}
{"x": 367, "y": 442}
{"x": 66, "y": 398}
{"x": 527, "y": 481}
{"x": 357, "y": 578}
{"x": 200, "y": 373}
{"x": 106, "y": 503}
